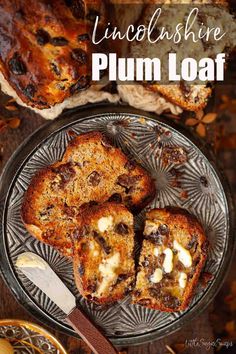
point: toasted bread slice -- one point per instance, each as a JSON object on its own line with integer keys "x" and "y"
{"x": 172, "y": 257}
{"x": 189, "y": 97}
{"x": 91, "y": 171}
{"x": 103, "y": 258}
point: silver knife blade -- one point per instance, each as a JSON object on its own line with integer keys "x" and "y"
{"x": 41, "y": 274}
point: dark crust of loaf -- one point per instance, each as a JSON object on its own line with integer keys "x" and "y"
{"x": 87, "y": 219}
{"x": 183, "y": 219}
{"x": 40, "y": 182}
{"x": 45, "y": 49}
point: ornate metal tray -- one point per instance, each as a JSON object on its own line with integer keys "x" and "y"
{"x": 199, "y": 189}
{"x": 26, "y": 338}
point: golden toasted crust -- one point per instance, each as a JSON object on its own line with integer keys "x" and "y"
{"x": 46, "y": 48}
{"x": 91, "y": 171}
{"x": 103, "y": 253}
{"x": 172, "y": 257}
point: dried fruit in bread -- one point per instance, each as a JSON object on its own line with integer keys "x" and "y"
{"x": 172, "y": 257}
{"x": 103, "y": 253}
{"x": 91, "y": 171}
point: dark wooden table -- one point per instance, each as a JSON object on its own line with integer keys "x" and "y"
{"x": 199, "y": 328}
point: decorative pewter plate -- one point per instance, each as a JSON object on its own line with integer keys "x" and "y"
{"x": 194, "y": 185}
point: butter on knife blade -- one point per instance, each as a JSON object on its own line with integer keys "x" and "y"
{"x": 41, "y": 274}
{"x": 29, "y": 260}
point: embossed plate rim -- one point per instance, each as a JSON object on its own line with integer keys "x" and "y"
{"x": 32, "y": 143}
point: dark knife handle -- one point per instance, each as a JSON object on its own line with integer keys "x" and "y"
{"x": 89, "y": 333}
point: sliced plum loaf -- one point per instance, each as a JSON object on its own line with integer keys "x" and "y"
{"x": 172, "y": 257}
{"x": 103, "y": 253}
{"x": 91, "y": 171}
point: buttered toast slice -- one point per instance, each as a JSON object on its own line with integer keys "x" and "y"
{"x": 172, "y": 257}
{"x": 103, "y": 253}
{"x": 91, "y": 171}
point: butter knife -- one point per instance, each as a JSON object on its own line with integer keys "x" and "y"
{"x": 41, "y": 274}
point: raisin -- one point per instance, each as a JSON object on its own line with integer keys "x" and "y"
{"x": 66, "y": 173}
{"x": 94, "y": 179}
{"x": 161, "y": 259}
{"x": 30, "y": 91}
{"x": 79, "y": 55}
{"x": 76, "y": 8}
{"x": 116, "y": 197}
{"x": 122, "y": 277}
{"x": 122, "y": 229}
{"x": 179, "y": 266}
{"x": 46, "y": 212}
{"x": 76, "y": 234}
{"x": 88, "y": 205}
{"x": 83, "y": 247}
{"x": 16, "y": 65}
{"x": 59, "y": 41}
{"x": 154, "y": 237}
{"x": 55, "y": 69}
{"x": 185, "y": 88}
{"x": 128, "y": 200}
{"x": 196, "y": 261}
{"x": 205, "y": 246}
{"x": 163, "y": 229}
{"x": 130, "y": 165}
{"x": 129, "y": 289}
{"x": 69, "y": 211}
{"x": 169, "y": 278}
{"x": 192, "y": 244}
{"x": 83, "y": 37}
{"x": 127, "y": 181}
{"x": 92, "y": 14}
{"x": 81, "y": 84}
{"x": 191, "y": 273}
{"x": 92, "y": 287}
{"x": 171, "y": 301}
{"x": 155, "y": 292}
{"x": 146, "y": 262}
{"x": 137, "y": 293}
{"x": 81, "y": 270}
{"x": 204, "y": 181}
{"x": 102, "y": 242}
{"x": 42, "y": 37}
